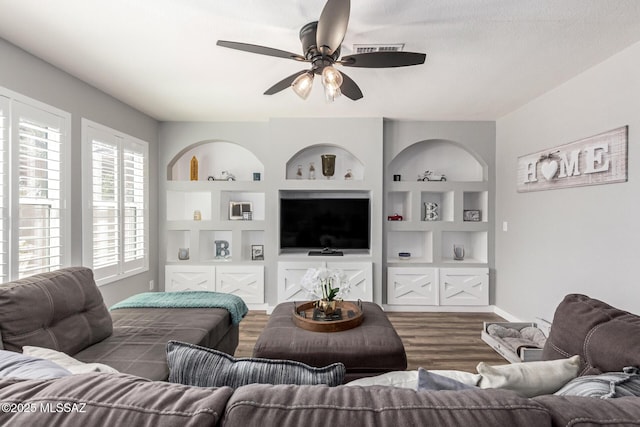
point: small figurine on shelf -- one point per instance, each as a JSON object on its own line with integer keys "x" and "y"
{"x": 228, "y": 176}
{"x": 312, "y": 171}
{"x": 193, "y": 172}
{"x": 348, "y": 175}
{"x": 299, "y": 172}
{"x": 431, "y": 176}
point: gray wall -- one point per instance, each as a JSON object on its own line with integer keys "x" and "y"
{"x": 23, "y": 73}
{"x": 582, "y": 239}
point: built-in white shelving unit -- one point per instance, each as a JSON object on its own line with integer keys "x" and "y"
{"x": 422, "y": 278}
{"x": 264, "y": 159}
{"x": 199, "y": 219}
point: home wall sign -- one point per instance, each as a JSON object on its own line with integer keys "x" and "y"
{"x": 599, "y": 159}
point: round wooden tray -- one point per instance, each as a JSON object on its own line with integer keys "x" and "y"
{"x": 352, "y": 316}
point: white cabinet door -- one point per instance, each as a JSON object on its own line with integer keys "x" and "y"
{"x": 189, "y": 278}
{"x": 464, "y": 286}
{"x": 289, "y": 275}
{"x": 412, "y": 286}
{"x": 245, "y": 281}
{"x": 360, "y": 277}
{"x": 359, "y": 274}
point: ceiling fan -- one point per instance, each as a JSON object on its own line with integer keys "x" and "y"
{"x": 321, "y": 41}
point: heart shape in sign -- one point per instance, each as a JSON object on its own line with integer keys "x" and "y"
{"x": 549, "y": 169}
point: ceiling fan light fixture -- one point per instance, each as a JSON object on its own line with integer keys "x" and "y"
{"x": 303, "y": 84}
{"x": 331, "y": 77}
{"x": 331, "y": 92}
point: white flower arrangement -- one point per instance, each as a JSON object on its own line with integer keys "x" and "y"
{"x": 325, "y": 284}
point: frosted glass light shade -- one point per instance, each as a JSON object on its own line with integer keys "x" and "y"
{"x": 331, "y": 93}
{"x": 303, "y": 84}
{"x": 331, "y": 77}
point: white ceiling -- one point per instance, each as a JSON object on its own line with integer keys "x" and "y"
{"x": 485, "y": 58}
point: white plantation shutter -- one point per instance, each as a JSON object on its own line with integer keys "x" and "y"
{"x": 34, "y": 184}
{"x": 40, "y": 198}
{"x": 134, "y": 206}
{"x": 117, "y": 199}
{"x": 4, "y": 187}
{"x": 105, "y": 201}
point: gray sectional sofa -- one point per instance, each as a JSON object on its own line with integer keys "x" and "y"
{"x": 606, "y": 339}
{"x": 64, "y": 310}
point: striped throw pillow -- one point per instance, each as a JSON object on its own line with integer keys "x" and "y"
{"x": 204, "y": 367}
{"x": 604, "y": 386}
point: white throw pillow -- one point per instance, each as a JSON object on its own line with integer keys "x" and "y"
{"x": 530, "y": 378}
{"x": 461, "y": 376}
{"x": 69, "y": 363}
{"x": 403, "y": 379}
{"x": 409, "y": 379}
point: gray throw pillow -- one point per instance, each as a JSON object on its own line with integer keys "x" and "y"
{"x": 204, "y": 367}
{"x": 604, "y": 386}
{"x": 428, "y": 381}
{"x": 17, "y": 365}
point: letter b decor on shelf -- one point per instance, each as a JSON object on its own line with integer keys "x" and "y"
{"x": 599, "y": 159}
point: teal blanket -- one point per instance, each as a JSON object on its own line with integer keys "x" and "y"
{"x": 187, "y": 299}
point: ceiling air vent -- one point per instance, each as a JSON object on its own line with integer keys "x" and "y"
{"x": 368, "y": 48}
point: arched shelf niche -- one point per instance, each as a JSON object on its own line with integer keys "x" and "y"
{"x": 344, "y": 160}
{"x": 213, "y": 158}
{"x": 441, "y": 157}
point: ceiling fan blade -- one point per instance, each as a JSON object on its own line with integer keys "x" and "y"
{"x": 349, "y": 88}
{"x": 332, "y": 25}
{"x": 262, "y": 50}
{"x": 383, "y": 59}
{"x": 284, "y": 83}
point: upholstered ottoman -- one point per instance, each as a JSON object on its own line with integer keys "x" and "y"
{"x": 370, "y": 349}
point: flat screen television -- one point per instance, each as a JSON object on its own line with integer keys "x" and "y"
{"x": 317, "y": 223}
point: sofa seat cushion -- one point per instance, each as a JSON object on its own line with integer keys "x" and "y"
{"x": 62, "y": 310}
{"x": 111, "y": 400}
{"x": 606, "y": 338}
{"x": 286, "y": 405}
{"x": 140, "y": 336}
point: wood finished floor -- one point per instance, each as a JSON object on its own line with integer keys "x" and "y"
{"x": 431, "y": 340}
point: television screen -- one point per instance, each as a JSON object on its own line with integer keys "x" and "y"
{"x": 336, "y": 223}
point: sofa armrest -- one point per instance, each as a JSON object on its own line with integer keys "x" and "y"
{"x": 606, "y": 338}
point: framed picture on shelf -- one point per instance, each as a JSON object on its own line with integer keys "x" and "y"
{"x": 257, "y": 252}
{"x": 238, "y": 210}
{"x": 472, "y": 215}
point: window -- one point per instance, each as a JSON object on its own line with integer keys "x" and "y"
{"x": 4, "y": 202}
{"x": 116, "y": 225}
{"x": 33, "y": 187}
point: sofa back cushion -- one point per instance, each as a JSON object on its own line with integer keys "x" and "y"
{"x": 288, "y": 405}
{"x": 98, "y": 399}
{"x": 62, "y": 310}
{"x": 606, "y": 338}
